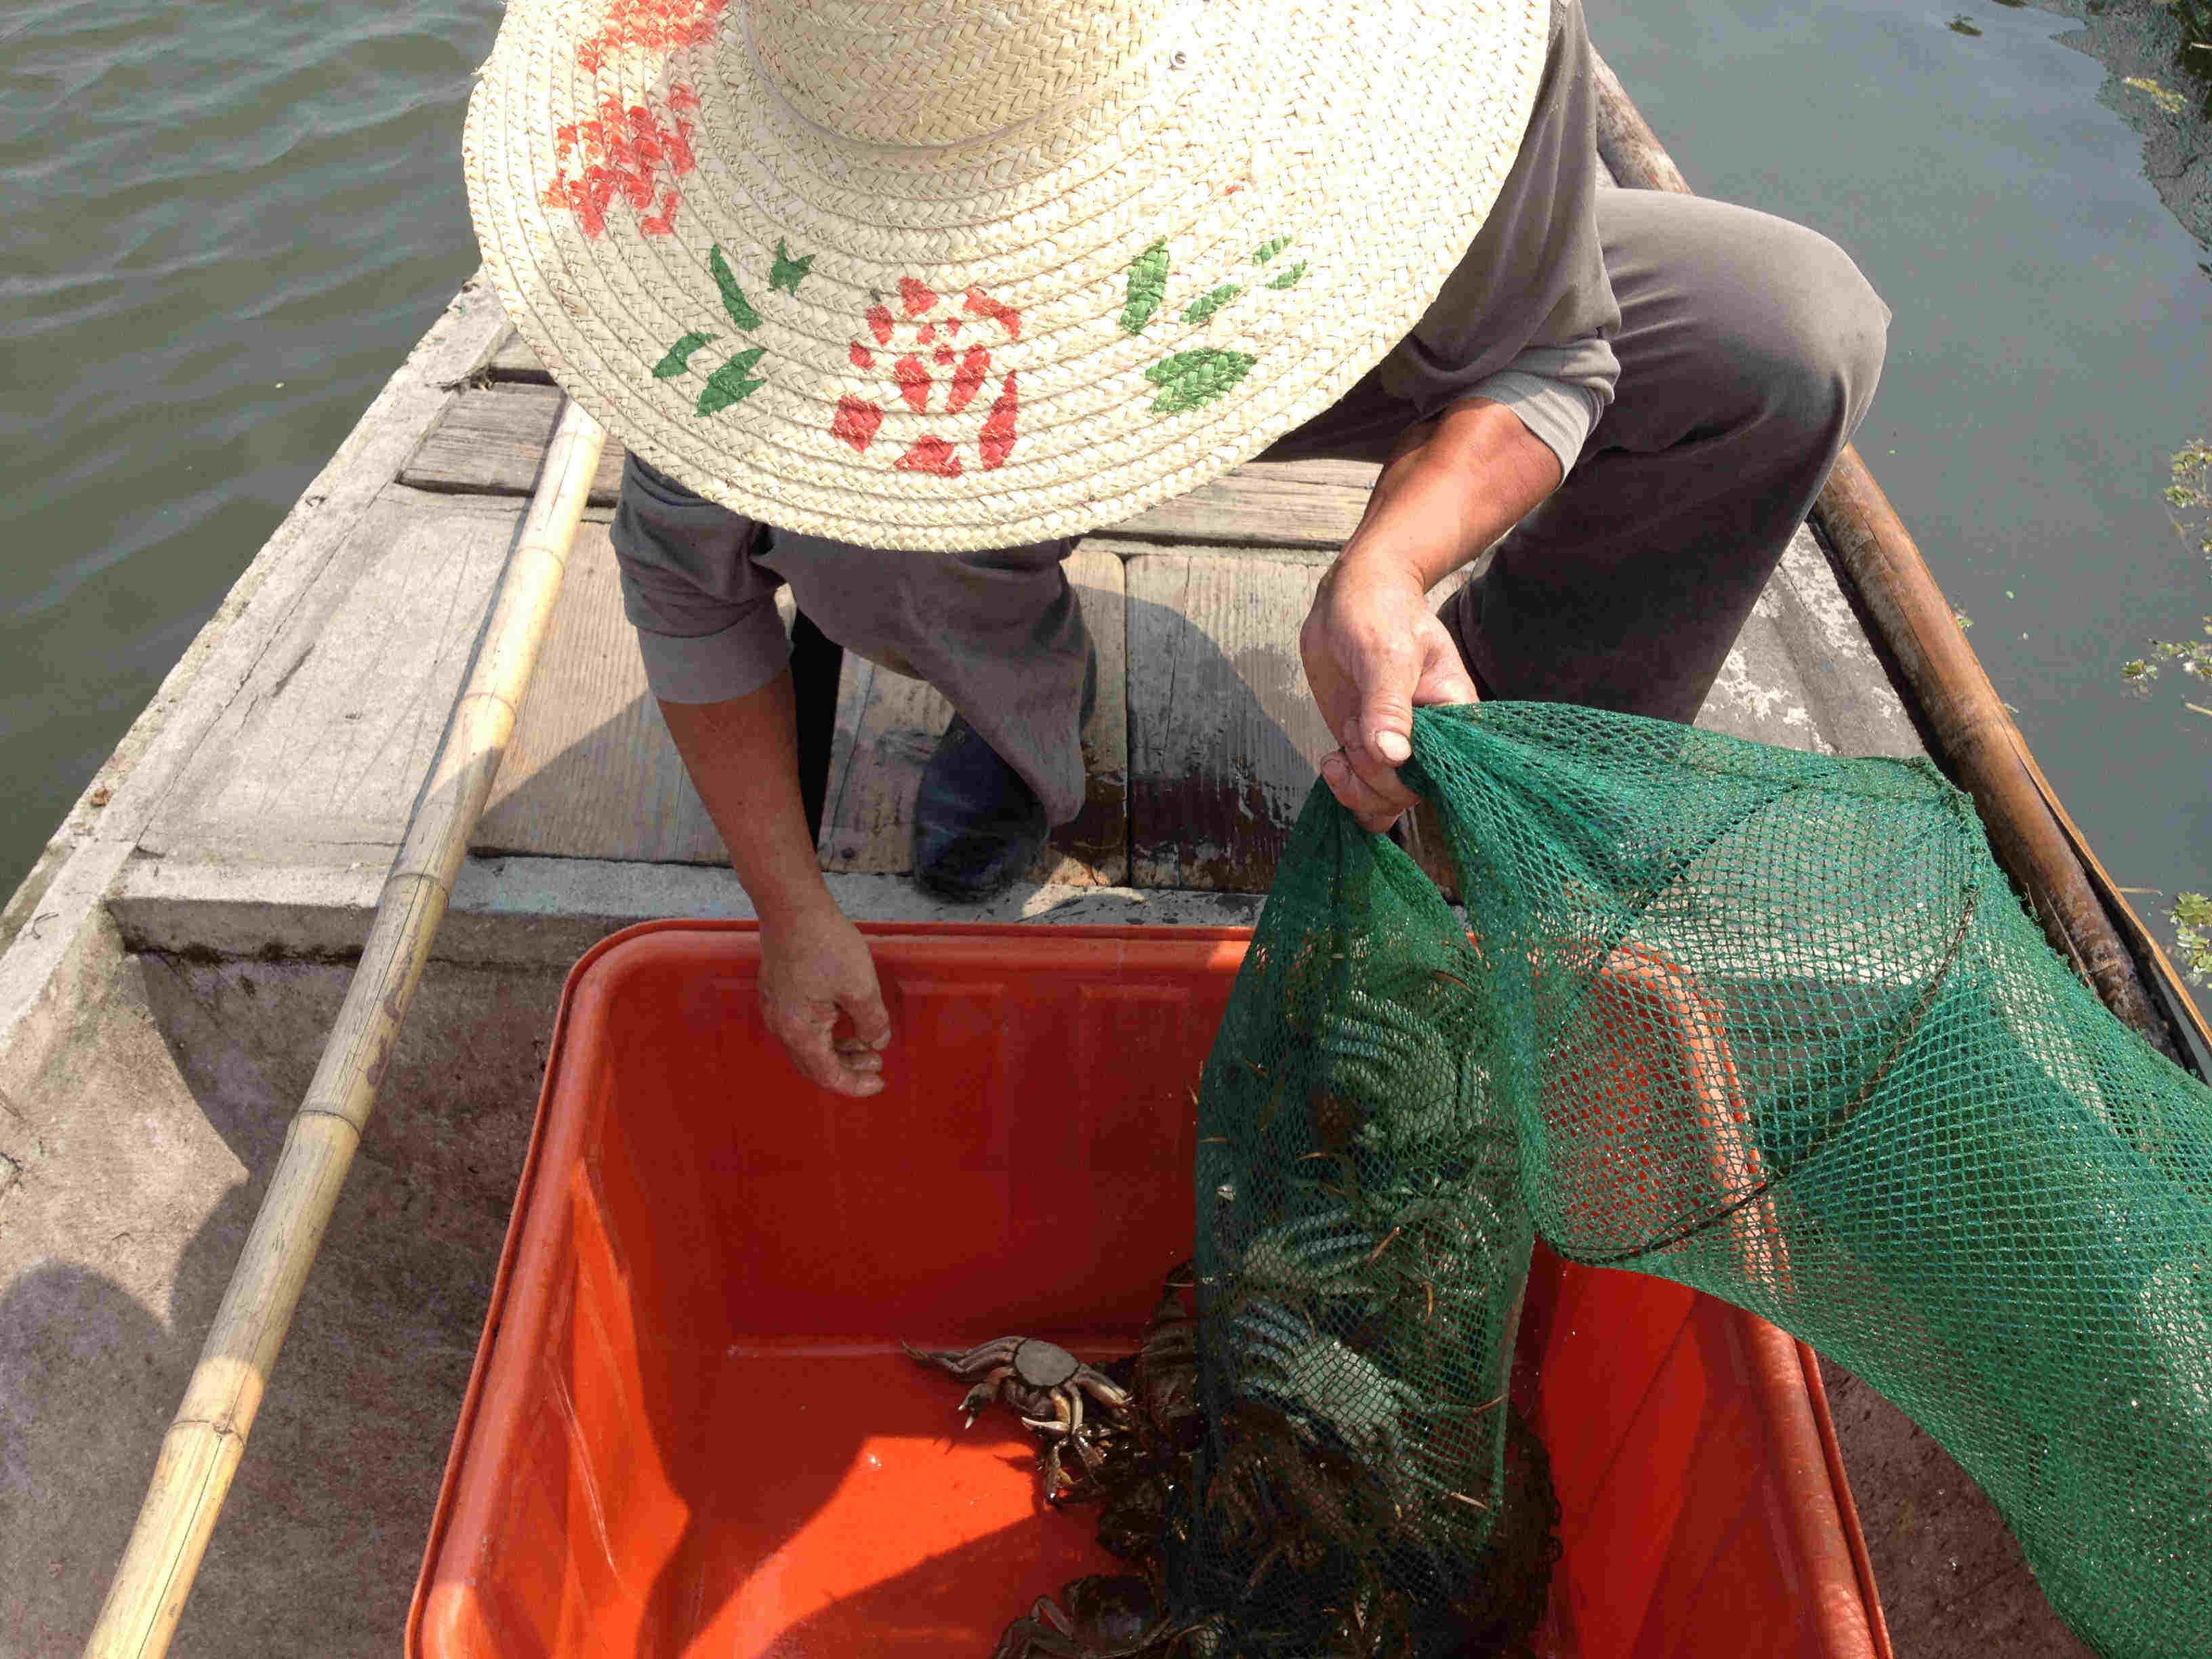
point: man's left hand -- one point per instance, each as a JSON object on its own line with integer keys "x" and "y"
{"x": 1373, "y": 652}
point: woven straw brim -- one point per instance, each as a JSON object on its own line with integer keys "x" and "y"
{"x": 985, "y": 344}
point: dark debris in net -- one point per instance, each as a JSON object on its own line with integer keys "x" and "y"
{"x": 1279, "y": 1540}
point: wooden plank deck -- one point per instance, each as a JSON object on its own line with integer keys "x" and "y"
{"x": 1205, "y": 741}
{"x": 234, "y": 870}
{"x": 491, "y": 442}
{"x": 175, "y": 969}
{"x": 1201, "y": 751}
{"x": 1192, "y": 607}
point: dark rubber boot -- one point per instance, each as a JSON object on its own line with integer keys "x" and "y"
{"x": 978, "y": 826}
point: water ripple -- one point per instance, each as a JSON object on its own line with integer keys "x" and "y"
{"x": 203, "y": 202}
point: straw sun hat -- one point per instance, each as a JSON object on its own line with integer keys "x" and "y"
{"x": 958, "y": 274}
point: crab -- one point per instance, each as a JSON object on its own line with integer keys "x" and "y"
{"x": 1045, "y": 1385}
{"x": 1165, "y": 1380}
{"x": 1097, "y": 1617}
{"x": 1336, "y": 1396}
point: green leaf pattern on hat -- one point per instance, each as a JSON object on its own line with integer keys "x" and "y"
{"x": 787, "y": 273}
{"x": 1187, "y": 379}
{"x": 1267, "y": 251}
{"x": 1207, "y": 304}
{"x": 679, "y": 356}
{"x": 1191, "y": 378}
{"x": 733, "y": 297}
{"x": 1148, "y": 286}
{"x": 734, "y": 381}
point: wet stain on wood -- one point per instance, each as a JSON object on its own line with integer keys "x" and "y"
{"x": 1223, "y": 735}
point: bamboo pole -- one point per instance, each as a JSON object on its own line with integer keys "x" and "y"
{"x": 202, "y": 1449}
{"x": 1974, "y": 736}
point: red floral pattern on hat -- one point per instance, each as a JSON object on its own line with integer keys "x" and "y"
{"x": 661, "y": 25}
{"x": 932, "y": 371}
{"x": 623, "y": 154}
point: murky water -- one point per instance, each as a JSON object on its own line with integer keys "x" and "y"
{"x": 2051, "y": 348}
{"x": 226, "y": 223}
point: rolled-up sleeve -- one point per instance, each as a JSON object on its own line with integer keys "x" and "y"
{"x": 1526, "y": 318}
{"x": 702, "y": 605}
{"x": 1559, "y": 410}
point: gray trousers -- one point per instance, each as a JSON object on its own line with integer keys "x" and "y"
{"x": 1749, "y": 350}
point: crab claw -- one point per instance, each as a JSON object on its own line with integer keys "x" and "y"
{"x": 978, "y": 1397}
{"x": 1102, "y": 1388}
{"x": 1055, "y": 1480}
{"x": 1066, "y": 1417}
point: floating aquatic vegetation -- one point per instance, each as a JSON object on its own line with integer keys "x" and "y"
{"x": 2191, "y": 916}
{"x": 2173, "y": 102}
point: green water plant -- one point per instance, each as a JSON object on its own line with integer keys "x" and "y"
{"x": 2191, "y": 470}
{"x": 2188, "y": 502}
{"x": 2191, "y": 916}
{"x": 2173, "y": 102}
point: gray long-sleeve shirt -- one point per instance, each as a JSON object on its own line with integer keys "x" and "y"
{"x": 1524, "y": 318}
{"x": 1522, "y": 322}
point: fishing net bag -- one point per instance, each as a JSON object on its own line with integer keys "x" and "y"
{"x": 1769, "y": 1023}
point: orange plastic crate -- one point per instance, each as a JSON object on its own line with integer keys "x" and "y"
{"x": 690, "y": 1429}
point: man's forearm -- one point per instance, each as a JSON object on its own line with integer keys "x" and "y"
{"x": 1453, "y": 487}
{"x": 1372, "y": 649}
{"x": 743, "y": 756}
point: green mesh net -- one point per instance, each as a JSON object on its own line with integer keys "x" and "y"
{"x": 1767, "y": 1022}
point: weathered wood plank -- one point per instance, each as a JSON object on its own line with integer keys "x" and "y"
{"x": 888, "y": 724}
{"x": 1801, "y": 674}
{"x": 511, "y": 360}
{"x": 1224, "y": 735}
{"x": 1784, "y": 683}
{"x": 591, "y": 771}
{"x": 493, "y": 439}
{"x": 1284, "y": 503}
{"x": 1095, "y": 847}
{"x": 325, "y": 745}
{"x": 1857, "y": 709}
{"x": 1760, "y": 692}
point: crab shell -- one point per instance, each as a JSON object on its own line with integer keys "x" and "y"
{"x": 1042, "y": 1371}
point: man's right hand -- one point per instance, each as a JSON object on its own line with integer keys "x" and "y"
{"x": 815, "y": 967}
{"x": 742, "y": 755}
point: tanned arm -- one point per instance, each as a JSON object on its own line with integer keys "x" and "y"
{"x": 1373, "y": 651}
{"x": 743, "y": 756}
